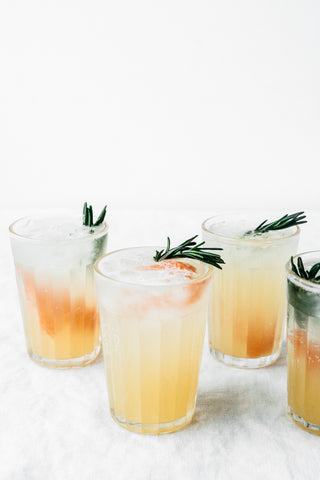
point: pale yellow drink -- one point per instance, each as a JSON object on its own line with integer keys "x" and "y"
{"x": 54, "y": 259}
{"x": 248, "y": 302}
{"x": 247, "y": 312}
{"x": 153, "y": 325}
{"x": 303, "y": 348}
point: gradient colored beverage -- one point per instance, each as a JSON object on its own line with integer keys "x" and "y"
{"x": 54, "y": 259}
{"x": 303, "y": 347}
{"x": 153, "y": 318}
{"x": 248, "y": 303}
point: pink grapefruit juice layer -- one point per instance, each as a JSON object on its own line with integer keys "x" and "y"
{"x": 60, "y": 322}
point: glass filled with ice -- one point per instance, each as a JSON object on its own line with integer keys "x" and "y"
{"x": 248, "y": 301}
{"x": 54, "y": 257}
{"x": 303, "y": 340}
{"x": 153, "y": 318}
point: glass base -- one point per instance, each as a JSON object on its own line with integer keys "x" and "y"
{"x": 244, "y": 362}
{"x": 301, "y": 422}
{"x": 70, "y": 363}
{"x": 154, "y": 429}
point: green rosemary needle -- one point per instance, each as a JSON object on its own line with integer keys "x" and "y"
{"x": 300, "y": 270}
{"x": 190, "y": 249}
{"x": 87, "y": 216}
{"x": 286, "y": 221}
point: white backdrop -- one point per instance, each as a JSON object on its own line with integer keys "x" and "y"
{"x": 203, "y": 104}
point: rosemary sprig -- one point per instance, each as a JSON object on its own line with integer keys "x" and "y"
{"x": 300, "y": 270}
{"x": 286, "y": 221}
{"x": 87, "y": 216}
{"x": 190, "y": 249}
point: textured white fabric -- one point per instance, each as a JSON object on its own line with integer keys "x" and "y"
{"x": 56, "y": 424}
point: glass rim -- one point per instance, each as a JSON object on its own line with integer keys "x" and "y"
{"x": 245, "y": 241}
{"x": 202, "y": 276}
{"x": 49, "y": 214}
{"x": 302, "y": 282}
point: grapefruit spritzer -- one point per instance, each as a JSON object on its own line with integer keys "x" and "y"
{"x": 54, "y": 257}
{"x": 247, "y": 308}
{"x": 153, "y": 318}
{"x": 303, "y": 342}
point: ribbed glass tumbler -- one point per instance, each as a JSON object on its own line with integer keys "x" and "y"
{"x": 303, "y": 346}
{"x": 56, "y": 289}
{"x": 248, "y": 302}
{"x": 152, "y": 344}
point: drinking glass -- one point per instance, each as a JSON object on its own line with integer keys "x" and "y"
{"x": 54, "y": 270}
{"x": 152, "y": 333}
{"x": 303, "y": 346}
{"x": 247, "y": 308}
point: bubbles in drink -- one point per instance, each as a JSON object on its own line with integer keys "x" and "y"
{"x": 137, "y": 266}
{"x": 242, "y": 228}
{"x": 56, "y": 228}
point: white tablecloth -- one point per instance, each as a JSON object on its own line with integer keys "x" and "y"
{"x": 56, "y": 424}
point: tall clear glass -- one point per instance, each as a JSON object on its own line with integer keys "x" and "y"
{"x": 54, "y": 271}
{"x": 247, "y": 308}
{"x": 152, "y": 341}
{"x": 303, "y": 346}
